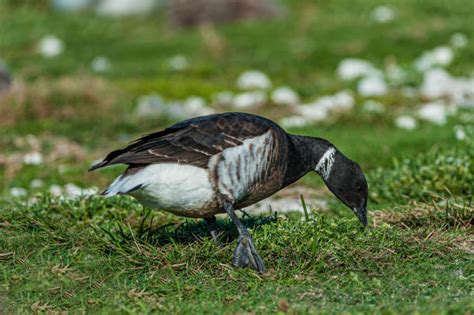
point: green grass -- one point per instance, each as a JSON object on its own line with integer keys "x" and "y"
{"x": 98, "y": 255}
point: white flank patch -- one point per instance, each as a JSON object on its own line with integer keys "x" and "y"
{"x": 167, "y": 186}
{"x": 242, "y": 166}
{"x": 324, "y": 166}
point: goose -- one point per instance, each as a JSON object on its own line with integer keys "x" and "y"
{"x": 224, "y": 162}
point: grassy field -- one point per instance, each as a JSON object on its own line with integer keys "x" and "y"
{"x": 99, "y": 255}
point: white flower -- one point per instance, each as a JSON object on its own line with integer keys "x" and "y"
{"x": 36, "y": 183}
{"x": 372, "y": 86}
{"x": 196, "y": 106}
{"x": 55, "y": 190}
{"x": 383, "y": 14}
{"x": 460, "y": 133}
{"x": 74, "y": 191}
{"x": 178, "y": 63}
{"x": 343, "y": 100}
{"x": 33, "y": 158}
{"x": 313, "y": 112}
{"x": 352, "y": 68}
{"x": 433, "y": 112}
{"x": 439, "y": 56}
{"x": 18, "y": 192}
{"x": 443, "y": 55}
{"x": 459, "y": 40}
{"x": 149, "y": 106}
{"x": 285, "y": 95}
{"x": 436, "y": 83}
{"x": 320, "y": 109}
{"x": 125, "y": 7}
{"x": 294, "y": 121}
{"x": 71, "y": 5}
{"x": 249, "y": 99}
{"x": 405, "y": 122}
{"x": 253, "y": 79}
{"x": 50, "y": 46}
{"x": 100, "y": 64}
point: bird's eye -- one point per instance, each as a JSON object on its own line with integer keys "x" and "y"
{"x": 358, "y": 188}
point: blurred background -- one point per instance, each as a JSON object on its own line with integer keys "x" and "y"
{"x": 391, "y": 83}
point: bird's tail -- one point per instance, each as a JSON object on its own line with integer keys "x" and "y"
{"x": 121, "y": 185}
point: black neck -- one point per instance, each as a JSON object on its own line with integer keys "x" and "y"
{"x": 303, "y": 154}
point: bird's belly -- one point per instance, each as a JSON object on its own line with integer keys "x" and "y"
{"x": 181, "y": 189}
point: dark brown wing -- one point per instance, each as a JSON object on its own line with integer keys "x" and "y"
{"x": 191, "y": 141}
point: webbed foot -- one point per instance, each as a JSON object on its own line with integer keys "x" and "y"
{"x": 245, "y": 255}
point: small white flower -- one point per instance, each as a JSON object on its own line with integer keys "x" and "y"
{"x": 460, "y": 133}
{"x": 313, "y": 112}
{"x": 459, "y": 40}
{"x": 33, "y": 158}
{"x": 343, "y": 100}
{"x": 294, "y": 121}
{"x": 196, "y": 106}
{"x": 18, "y": 192}
{"x": 439, "y": 56}
{"x": 178, "y": 63}
{"x": 249, "y": 99}
{"x": 72, "y": 190}
{"x": 352, "y": 68}
{"x": 100, "y": 64}
{"x": 149, "y": 106}
{"x": 433, "y": 112}
{"x": 405, "y": 122}
{"x": 443, "y": 55}
{"x": 285, "y": 95}
{"x": 55, "y": 190}
{"x": 372, "y": 86}
{"x": 383, "y": 14}
{"x": 119, "y": 8}
{"x": 436, "y": 83}
{"x": 253, "y": 79}
{"x": 36, "y": 183}
{"x": 50, "y": 46}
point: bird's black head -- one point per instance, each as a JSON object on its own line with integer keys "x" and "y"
{"x": 346, "y": 180}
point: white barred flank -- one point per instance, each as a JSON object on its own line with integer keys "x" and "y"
{"x": 241, "y": 167}
{"x": 325, "y": 164}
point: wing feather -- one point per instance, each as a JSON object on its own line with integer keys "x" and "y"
{"x": 193, "y": 141}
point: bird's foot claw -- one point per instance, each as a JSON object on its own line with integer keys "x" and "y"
{"x": 246, "y": 255}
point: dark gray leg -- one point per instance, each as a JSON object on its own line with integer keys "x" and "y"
{"x": 245, "y": 255}
{"x": 213, "y": 230}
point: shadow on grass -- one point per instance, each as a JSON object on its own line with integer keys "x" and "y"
{"x": 187, "y": 232}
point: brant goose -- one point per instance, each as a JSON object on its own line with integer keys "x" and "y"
{"x": 223, "y": 162}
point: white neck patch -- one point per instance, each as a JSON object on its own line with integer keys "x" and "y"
{"x": 324, "y": 165}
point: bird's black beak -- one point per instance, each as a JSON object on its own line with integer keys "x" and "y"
{"x": 361, "y": 213}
